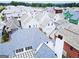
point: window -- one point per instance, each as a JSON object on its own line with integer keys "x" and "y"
{"x": 27, "y": 48}
{"x": 19, "y": 50}
{"x": 71, "y": 48}
{"x": 30, "y": 47}
{"x": 47, "y": 42}
{"x": 29, "y": 26}
{"x": 61, "y": 37}
{"x": 48, "y": 24}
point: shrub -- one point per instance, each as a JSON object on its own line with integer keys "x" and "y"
{"x": 2, "y": 17}
{"x": 5, "y": 37}
{"x": 2, "y": 8}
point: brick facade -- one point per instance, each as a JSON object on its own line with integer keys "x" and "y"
{"x": 71, "y": 52}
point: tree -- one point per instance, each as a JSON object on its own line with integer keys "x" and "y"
{"x": 5, "y": 37}
{"x": 1, "y": 8}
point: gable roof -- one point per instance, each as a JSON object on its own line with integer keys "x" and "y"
{"x": 23, "y": 38}
{"x": 71, "y": 36}
{"x": 45, "y": 52}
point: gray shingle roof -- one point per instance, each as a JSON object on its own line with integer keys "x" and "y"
{"x": 23, "y": 38}
{"x": 45, "y": 52}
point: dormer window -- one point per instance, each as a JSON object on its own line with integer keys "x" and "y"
{"x": 19, "y": 50}
{"x": 29, "y": 26}
{"x": 27, "y": 48}
{"x": 48, "y": 24}
{"x": 61, "y": 37}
